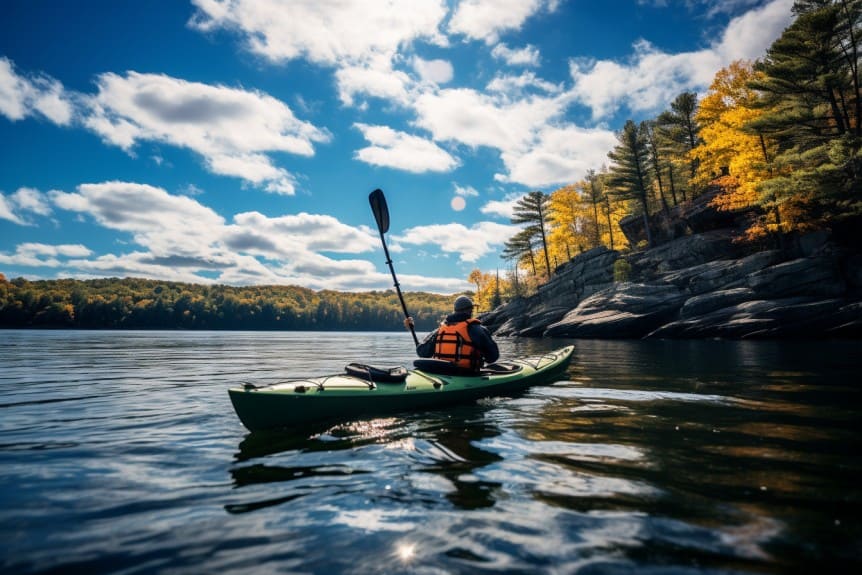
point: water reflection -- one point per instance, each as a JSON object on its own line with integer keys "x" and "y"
{"x": 121, "y": 453}
{"x": 444, "y": 458}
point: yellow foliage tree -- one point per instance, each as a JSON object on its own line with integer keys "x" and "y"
{"x": 572, "y": 226}
{"x": 731, "y": 155}
{"x": 490, "y": 288}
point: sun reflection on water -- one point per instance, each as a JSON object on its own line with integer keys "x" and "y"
{"x": 406, "y": 552}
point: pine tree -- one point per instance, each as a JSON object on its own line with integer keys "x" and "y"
{"x": 681, "y": 131}
{"x": 809, "y": 82}
{"x": 532, "y": 209}
{"x": 628, "y": 175}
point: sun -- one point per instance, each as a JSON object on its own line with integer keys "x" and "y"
{"x": 458, "y": 203}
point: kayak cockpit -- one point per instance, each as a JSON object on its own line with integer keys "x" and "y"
{"x": 442, "y": 367}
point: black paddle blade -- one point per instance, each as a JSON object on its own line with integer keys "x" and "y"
{"x": 380, "y": 209}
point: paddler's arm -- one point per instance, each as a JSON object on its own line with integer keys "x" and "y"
{"x": 426, "y": 347}
{"x": 484, "y": 342}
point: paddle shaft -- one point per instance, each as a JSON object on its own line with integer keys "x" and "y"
{"x": 381, "y": 216}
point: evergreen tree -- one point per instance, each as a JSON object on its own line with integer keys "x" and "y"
{"x": 809, "y": 85}
{"x": 520, "y": 246}
{"x": 532, "y": 209}
{"x": 681, "y": 132}
{"x": 628, "y": 175}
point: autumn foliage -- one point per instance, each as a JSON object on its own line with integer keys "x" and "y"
{"x": 780, "y": 137}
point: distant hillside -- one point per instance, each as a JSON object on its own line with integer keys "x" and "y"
{"x": 150, "y": 304}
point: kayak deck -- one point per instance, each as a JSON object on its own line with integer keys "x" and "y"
{"x": 305, "y": 400}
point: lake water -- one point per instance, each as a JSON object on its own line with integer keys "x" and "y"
{"x": 120, "y": 453}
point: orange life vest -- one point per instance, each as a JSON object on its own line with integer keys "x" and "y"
{"x": 453, "y": 344}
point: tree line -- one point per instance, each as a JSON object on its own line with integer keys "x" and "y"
{"x": 151, "y": 304}
{"x": 779, "y": 138}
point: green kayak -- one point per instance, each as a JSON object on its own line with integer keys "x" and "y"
{"x": 364, "y": 390}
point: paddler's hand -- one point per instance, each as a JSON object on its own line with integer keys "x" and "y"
{"x": 408, "y": 323}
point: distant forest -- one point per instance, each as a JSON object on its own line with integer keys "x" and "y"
{"x": 150, "y": 304}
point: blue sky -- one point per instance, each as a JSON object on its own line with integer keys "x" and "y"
{"x": 237, "y": 141}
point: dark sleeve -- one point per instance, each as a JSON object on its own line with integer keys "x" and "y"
{"x": 426, "y": 347}
{"x": 484, "y": 343}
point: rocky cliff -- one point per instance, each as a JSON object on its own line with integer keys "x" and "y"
{"x": 700, "y": 285}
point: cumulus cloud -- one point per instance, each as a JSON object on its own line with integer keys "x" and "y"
{"x": 164, "y": 223}
{"x": 24, "y": 200}
{"x": 487, "y": 19}
{"x": 433, "y": 71}
{"x": 324, "y": 32}
{"x": 231, "y": 128}
{"x": 177, "y": 238}
{"x": 651, "y": 77}
{"x": 283, "y": 236}
{"x": 36, "y": 95}
{"x": 33, "y": 254}
{"x": 469, "y": 243}
{"x": 559, "y": 154}
{"x": 7, "y": 212}
{"x": 393, "y": 149}
{"x": 502, "y": 208}
{"x": 526, "y": 56}
{"x": 465, "y": 191}
{"x": 373, "y": 77}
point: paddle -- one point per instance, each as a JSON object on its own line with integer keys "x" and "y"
{"x": 381, "y": 215}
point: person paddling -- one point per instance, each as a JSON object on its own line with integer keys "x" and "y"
{"x": 461, "y": 339}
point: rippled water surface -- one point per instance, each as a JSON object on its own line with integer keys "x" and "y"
{"x": 120, "y": 453}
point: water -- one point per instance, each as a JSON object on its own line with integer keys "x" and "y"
{"x": 120, "y": 453}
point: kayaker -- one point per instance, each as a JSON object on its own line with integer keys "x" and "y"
{"x": 460, "y": 339}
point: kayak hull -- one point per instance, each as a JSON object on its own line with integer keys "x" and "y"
{"x": 305, "y": 401}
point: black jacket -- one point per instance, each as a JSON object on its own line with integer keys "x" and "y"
{"x": 479, "y": 336}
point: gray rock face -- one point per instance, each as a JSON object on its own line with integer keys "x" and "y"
{"x": 698, "y": 286}
{"x": 622, "y": 311}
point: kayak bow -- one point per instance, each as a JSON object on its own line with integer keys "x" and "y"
{"x": 372, "y": 392}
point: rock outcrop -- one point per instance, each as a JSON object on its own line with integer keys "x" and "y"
{"x": 703, "y": 285}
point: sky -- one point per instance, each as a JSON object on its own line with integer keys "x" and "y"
{"x": 236, "y": 141}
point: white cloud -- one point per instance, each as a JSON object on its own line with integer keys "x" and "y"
{"x": 285, "y": 236}
{"x": 524, "y": 83}
{"x": 487, "y": 19}
{"x": 652, "y": 78}
{"x": 33, "y": 254}
{"x": 469, "y": 243}
{"x": 7, "y": 212}
{"x": 31, "y": 200}
{"x": 526, "y": 56}
{"x": 327, "y": 33}
{"x": 394, "y": 149}
{"x": 374, "y": 77}
{"x": 749, "y": 35}
{"x": 559, "y": 155}
{"x": 433, "y": 71}
{"x": 231, "y": 128}
{"x": 475, "y": 119}
{"x": 180, "y": 239}
{"x": 502, "y": 208}
{"x": 38, "y": 95}
{"x": 465, "y": 191}
{"x": 168, "y": 225}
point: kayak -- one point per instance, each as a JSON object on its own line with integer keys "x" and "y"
{"x": 364, "y": 390}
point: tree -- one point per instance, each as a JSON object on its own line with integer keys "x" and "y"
{"x": 628, "y": 177}
{"x": 656, "y": 160}
{"x": 732, "y": 154}
{"x": 571, "y": 227}
{"x": 520, "y": 246}
{"x": 532, "y": 209}
{"x": 680, "y": 129}
{"x": 809, "y": 86}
